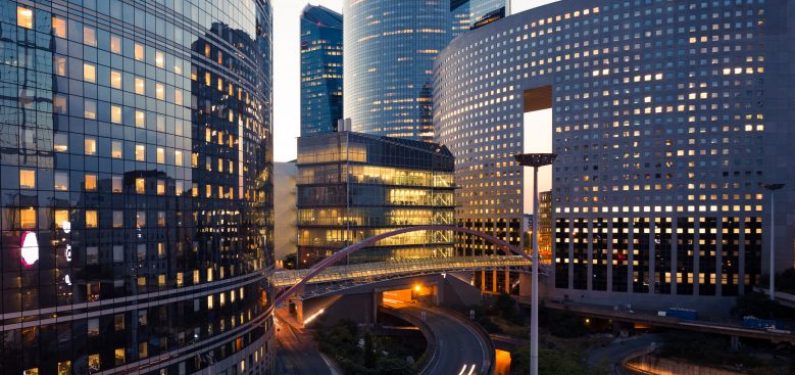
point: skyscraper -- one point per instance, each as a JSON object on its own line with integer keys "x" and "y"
{"x": 666, "y": 117}
{"x": 390, "y": 46}
{"x": 472, "y": 14}
{"x": 321, "y": 70}
{"x": 136, "y": 162}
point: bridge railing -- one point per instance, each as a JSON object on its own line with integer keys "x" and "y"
{"x": 380, "y": 269}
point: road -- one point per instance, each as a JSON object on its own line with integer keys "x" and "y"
{"x": 459, "y": 348}
{"x": 297, "y": 354}
{"x": 613, "y": 354}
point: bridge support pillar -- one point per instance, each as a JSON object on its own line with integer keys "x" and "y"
{"x": 494, "y": 276}
{"x": 483, "y": 281}
{"x": 507, "y": 281}
{"x": 735, "y": 344}
{"x": 525, "y": 284}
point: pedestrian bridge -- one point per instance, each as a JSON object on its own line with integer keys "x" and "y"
{"x": 372, "y": 272}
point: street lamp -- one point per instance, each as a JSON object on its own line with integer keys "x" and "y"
{"x": 536, "y": 161}
{"x": 772, "y": 188}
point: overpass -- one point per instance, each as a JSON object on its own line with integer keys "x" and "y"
{"x": 377, "y": 271}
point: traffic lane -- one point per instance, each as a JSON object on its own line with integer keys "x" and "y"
{"x": 459, "y": 349}
{"x": 297, "y": 354}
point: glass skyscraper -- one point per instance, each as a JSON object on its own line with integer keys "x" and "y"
{"x": 321, "y": 70}
{"x": 135, "y": 153}
{"x": 390, "y": 47}
{"x": 471, "y": 14}
{"x": 353, "y": 186}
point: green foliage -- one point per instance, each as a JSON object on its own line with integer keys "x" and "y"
{"x": 507, "y": 308}
{"x": 563, "y": 324}
{"x": 550, "y": 362}
{"x": 378, "y": 355}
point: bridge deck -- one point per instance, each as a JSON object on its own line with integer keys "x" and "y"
{"x": 380, "y": 270}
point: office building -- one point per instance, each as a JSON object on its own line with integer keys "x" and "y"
{"x": 666, "y": 117}
{"x": 321, "y": 70}
{"x": 390, "y": 46}
{"x": 137, "y": 210}
{"x": 353, "y": 186}
{"x": 472, "y": 14}
{"x": 284, "y": 200}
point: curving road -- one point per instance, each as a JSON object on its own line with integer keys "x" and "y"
{"x": 297, "y": 354}
{"x": 460, "y": 349}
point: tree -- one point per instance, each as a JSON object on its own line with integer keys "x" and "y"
{"x": 290, "y": 261}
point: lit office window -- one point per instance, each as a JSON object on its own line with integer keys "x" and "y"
{"x": 160, "y": 59}
{"x": 115, "y": 79}
{"x": 160, "y": 155}
{"x": 140, "y": 153}
{"x": 27, "y": 179}
{"x": 140, "y": 119}
{"x": 115, "y": 44}
{"x": 116, "y": 150}
{"x": 91, "y": 182}
{"x": 140, "y": 185}
{"x": 27, "y": 218}
{"x": 90, "y": 146}
{"x": 116, "y": 184}
{"x": 115, "y": 114}
{"x": 139, "y": 52}
{"x": 90, "y": 36}
{"x": 60, "y": 142}
{"x": 90, "y": 109}
{"x": 89, "y": 73}
{"x": 139, "y": 86}
{"x": 59, "y": 27}
{"x": 160, "y": 91}
{"x": 25, "y": 17}
{"x": 59, "y": 65}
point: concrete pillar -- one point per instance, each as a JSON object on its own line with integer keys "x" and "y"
{"x": 525, "y": 284}
{"x": 483, "y": 281}
{"x": 735, "y": 344}
{"x": 494, "y": 281}
{"x": 507, "y": 281}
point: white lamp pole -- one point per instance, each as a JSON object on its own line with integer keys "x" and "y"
{"x": 772, "y": 189}
{"x": 536, "y": 161}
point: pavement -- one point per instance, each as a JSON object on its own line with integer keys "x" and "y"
{"x": 459, "y": 348}
{"x": 297, "y": 353}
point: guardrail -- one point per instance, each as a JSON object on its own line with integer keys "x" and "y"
{"x": 430, "y": 348}
{"x": 285, "y": 278}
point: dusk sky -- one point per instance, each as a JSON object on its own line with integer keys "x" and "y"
{"x": 287, "y": 65}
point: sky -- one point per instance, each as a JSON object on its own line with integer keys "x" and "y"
{"x": 287, "y": 68}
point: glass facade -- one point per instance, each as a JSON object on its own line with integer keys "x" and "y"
{"x": 353, "y": 186}
{"x": 471, "y": 14}
{"x": 135, "y": 152}
{"x": 666, "y": 117}
{"x": 390, "y": 49}
{"x": 321, "y": 70}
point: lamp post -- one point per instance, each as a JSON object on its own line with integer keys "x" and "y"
{"x": 772, "y": 189}
{"x": 536, "y": 161}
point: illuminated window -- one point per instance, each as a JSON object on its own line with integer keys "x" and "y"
{"x": 90, "y": 145}
{"x": 115, "y": 44}
{"x": 178, "y": 96}
{"x": 61, "y": 217}
{"x": 89, "y": 36}
{"x": 161, "y": 218}
{"x": 25, "y": 18}
{"x": 59, "y": 27}
{"x": 59, "y": 104}
{"x": 59, "y": 65}
{"x": 118, "y": 356}
{"x": 31, "y": 371}
{"x": 209, "y": 302}
{"x": 115, "y": 114}
{"x": 180, "y": 279}
{"x": 178, "y": 187}
{"x": 90, "y": 109}
{"x": 116, "y": 184}
{"x": 93, "y": 362}
{"x": 118, "y": 322}
{"x": 140, "y": 119}
{"x": 139, "y": 86}
{"x": 27, "y": 179}
{"x": 140, "y": 185}
{"x": 160, "y": 154}
{"x": 61, "y": 181}
{"x": 161, "y": 187}
{"x": 139, "y": 52}
{"x": 64, "y": 368}
{"x": 160, "y": 91}
{"x": 115, "y": 79}
{"x": 160, "y": 59}
{"x": 140, "y": 153}
{"x": 140, "y": 219}
{"x": 27, "y": 218}
{"x": 116, "y": 150}
{"x": 89, "y": 73}
{"x": 91, "y": 219}
{"x": 91, "y": 182}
